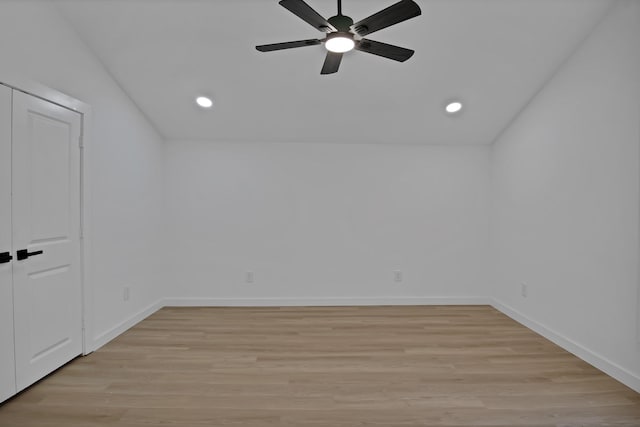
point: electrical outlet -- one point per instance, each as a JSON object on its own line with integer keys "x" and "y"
{"x": 524, "y": 291}
{"x": 249, "y": 277}
{"x": 125, "y": 294}
{"x": 397, "y": 276}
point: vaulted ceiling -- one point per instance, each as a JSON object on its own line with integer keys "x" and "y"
{"x": 493, "y": 55}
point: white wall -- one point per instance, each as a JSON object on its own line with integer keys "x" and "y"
{"x": 331, "y": 222}
{"x": 326, "y": 221}
{"x": 565, "y": 200}
{"x": 127, "y": 157}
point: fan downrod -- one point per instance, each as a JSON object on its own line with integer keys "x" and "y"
{"x": 341, "y": 22}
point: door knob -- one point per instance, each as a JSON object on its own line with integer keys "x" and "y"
{"x": 24, "y": 254}
{"x": 5, "y": 257}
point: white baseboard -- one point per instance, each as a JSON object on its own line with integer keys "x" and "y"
{"x": 322, "y": 302}
{"x": 602, "y": 363}
{"x": 123, "y": 326}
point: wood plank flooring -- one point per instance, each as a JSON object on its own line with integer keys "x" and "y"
{"x": 326, "y": 366}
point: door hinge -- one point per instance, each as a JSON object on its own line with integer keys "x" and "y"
{"x": 81, "y": 142}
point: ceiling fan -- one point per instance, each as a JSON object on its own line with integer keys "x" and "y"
{"x": 343, "y": 35}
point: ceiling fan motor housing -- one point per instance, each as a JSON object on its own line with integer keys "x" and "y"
{"x": 341, "y": 23}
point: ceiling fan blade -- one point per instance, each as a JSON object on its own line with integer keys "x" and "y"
{"x": 390, "y": 51}
{"x": 287, "y": 45}
{"x": 399, "y": 12}
{"x": 307, "y": 14}
{"x": 331, "y": 63}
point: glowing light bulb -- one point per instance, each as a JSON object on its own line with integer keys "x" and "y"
{"x": 453, "y": 107}
{"x": 204, "y": 102}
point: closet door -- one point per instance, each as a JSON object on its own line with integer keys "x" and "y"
{"x": 7, "y": 362}
{"x": 46, "y": 223}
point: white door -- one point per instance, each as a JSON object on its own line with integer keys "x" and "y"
{"x": 46, "y": 227}
{"x": 7, "y": 363}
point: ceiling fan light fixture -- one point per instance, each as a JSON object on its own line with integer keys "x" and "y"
{"x": 343, "y": 34}
{"x": 339, "y": 42}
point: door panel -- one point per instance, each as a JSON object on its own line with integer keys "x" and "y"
{"x": 46, "y": 208}
{"x": 7, "y": 362}
{"x": 50, "y": 157}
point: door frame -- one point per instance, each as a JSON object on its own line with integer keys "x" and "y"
{"x": 38, "y": 90}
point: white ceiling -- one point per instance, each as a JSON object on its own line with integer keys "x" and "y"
{"x": 492, "y": 54}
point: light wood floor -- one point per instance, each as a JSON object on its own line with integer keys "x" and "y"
{"x": 364, "y": 366}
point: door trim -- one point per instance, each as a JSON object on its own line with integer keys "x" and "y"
{"x": 86, "y": 275}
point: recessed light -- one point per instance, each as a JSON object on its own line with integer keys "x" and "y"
{"x": 340, "y": 42}
{"x": 453, "y": 107}
{"x": 204, "y": 102}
